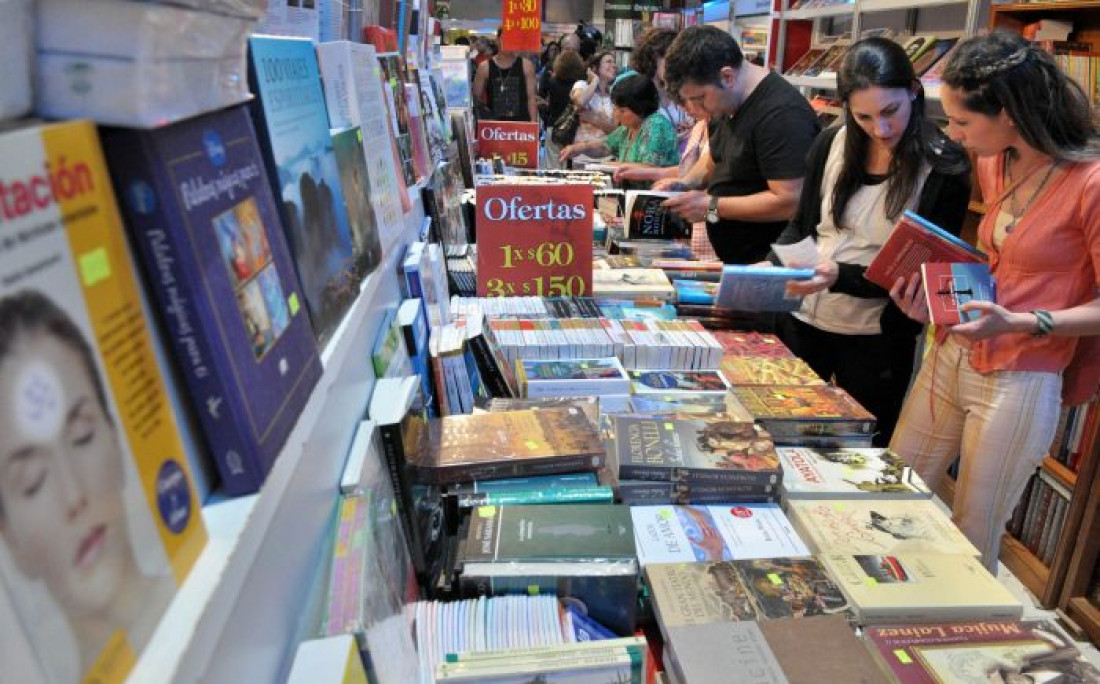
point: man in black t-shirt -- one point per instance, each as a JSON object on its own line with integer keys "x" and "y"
{"x": 760, "y": 133}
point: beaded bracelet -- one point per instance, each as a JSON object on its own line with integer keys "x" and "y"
{"x": 1044, "y": 323}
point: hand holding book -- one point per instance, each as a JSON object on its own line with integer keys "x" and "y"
{"x": 825, "y": 275}
{"x": 690, "y": 206}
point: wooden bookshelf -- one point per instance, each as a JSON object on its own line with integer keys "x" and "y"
{"x": 1062, "y": 474}
{"x": 1026, "y": 567}
{"x": 1085, "y": 553}
{"x": 1085, "y": 16}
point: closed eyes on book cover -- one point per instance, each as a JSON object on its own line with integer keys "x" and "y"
{"x": 205, "y": 227}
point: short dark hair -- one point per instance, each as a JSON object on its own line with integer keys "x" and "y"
{"x": 637, "y": 93}
{"x": 593, "y": 61}
{"x": 651, "y": 46}
{"x": 569, "y": 67}
{"x": 1002, "y": 71}
{"x": 698, "y": 55}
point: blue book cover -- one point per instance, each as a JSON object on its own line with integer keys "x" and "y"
{"x": 292, "y": 123}
{"x": 206, "y": 229}
{"x": 695, "y": 292}
{"x": 413, "y": 321}
{"x": 355, "y": 183}
{"x": 948, "y": 286}
{"x": 755, "y": 288}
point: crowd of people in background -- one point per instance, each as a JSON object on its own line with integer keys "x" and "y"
{"x": 753, "y": 168}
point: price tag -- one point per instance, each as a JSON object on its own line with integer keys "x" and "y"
{"x": 517, "y": 142}
{"x": 534, "y": 240}
{"x": 521, "y": 28}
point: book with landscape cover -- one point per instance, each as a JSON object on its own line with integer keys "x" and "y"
{"x": 772, "y": 651}
{"x": 206, "y": 228}
{"x": 920, "y": 587}
{"x": 646, "y": 219}
{"x": 674, "y": 534}
{"x": 759, "y": 288}
{"x": 728, "y": 591}
{"x": 712, "y": 449}
{"x": 786, "y": 410}
{"x": 744, "y": 370}
{"x": 880, "y": 526}
{"x": 101, "y": 520}
{"x": 366, "y": 246}
{"x": 915, "y": 241}
{"x": 463, "y": 448}
{"x": 672, "y": 381}
{"x": 848, "y": 473}
{"x": 549, "y": 534}
{"x": 632, "y": 283}
{"x": 293, "y": 129}
{"x": 949, "y": 286}
{"x": 571, "y": 377}
{"x": 980, "y": 651}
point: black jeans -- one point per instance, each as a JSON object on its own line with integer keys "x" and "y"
{"x": 875, "y": 369}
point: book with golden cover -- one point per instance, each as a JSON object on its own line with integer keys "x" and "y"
{"x": 786, "y": 410}
{"x": 484, "y": 446}
{"x": 747, "y": 370}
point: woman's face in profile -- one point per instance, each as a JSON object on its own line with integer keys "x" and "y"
{"x": 61, "y": 477}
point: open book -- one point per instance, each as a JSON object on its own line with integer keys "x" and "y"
{"x": 647, "y": 219}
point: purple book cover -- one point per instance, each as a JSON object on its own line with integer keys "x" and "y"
{"x": 202, "y": 218}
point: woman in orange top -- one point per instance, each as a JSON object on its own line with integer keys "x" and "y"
{"x": 990, "y": 388}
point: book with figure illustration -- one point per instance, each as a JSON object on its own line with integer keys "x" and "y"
{"x": 914, "y": 241}
{"x": 848, "y": 473}
{"x": 759, "y": 288}
{"x": 206, "y": 229}
{"x": 646, "y": 219}
{"x": 788, "y": 411}
{"x": 293, "y": 128}
{"x": 881, "y": 526}
{"x": 674, "y": 534}
{"x": 101, "y": 520}
{"x": 948, "y": 286}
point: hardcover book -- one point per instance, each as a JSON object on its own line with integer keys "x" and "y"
{"x": 877, "y": 527}
{"x": 744, "y": 370}
{"x": 672, "y": 534}
{"x": 673, "y": 381}
{"x": 920, "y": 587}
{"x": 101, "y": 521}
{"x": 759, "y": 288}
{"x": 813, "y": 409}
{"x": 646, "y": 219}
{"x": 772, "y": 651}
{"x": 948, "y": 286}
{"x": 509, "y": 444}
{"x": 206, "y": 229}
{"x": 294, "y": 135}
{"x": 712, "y": 449}
{"x": 915, "y": 241}
{"x": 848, "y": 473}
{"x": 729, "y": 591}
{"x": 577, "y": 533}
{"x": 754, "y": 344}
{"x": 571, "y": 377}
{"x": 632, "y": 283}
{"x": 688, "y": 405}
{"x": 980, "y": 651}
{"x": 366, "y": 246}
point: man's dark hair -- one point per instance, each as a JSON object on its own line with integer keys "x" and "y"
{"x": 637, "y": 93}
{"x": 651, "y": 46}
{"x": 698, "y": 55}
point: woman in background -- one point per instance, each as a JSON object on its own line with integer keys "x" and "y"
{"x": 568, "y": 69}
{"x": 592, "y": 98}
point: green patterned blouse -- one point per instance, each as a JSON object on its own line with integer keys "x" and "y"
{"x": 655, "y": 143}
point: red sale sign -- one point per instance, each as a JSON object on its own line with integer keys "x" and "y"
{"x": 522, "y": 26}
{"x": 517, "y": 142}
{"x": 534, "y": 240}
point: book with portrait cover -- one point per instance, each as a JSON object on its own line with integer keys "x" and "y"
{"x": 293, "y": 129}
{"x": 746, "y": 370}
{"x": 785, "y": 410}
{"x": 676, "y": 534}
{"x": 914, "y": 241}
{"x": 464, "y": 448}
{"x": 919, "y": 587}
{"x": 101, "y": 520}
{"x": 981, "y": 651}
{"x": 646, "y": 219}
{"x": 730, "y": 591}
{"x": 949, "y": 286}
{"x": 881, "y": 526}
{"x": 710, "y": 449}
{"x": 848, "y": 473}
{"x": 204, "y": 224}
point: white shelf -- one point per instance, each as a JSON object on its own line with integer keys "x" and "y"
{"x": 887, "y": 5}
{"x": 241, "y": 608}
{"x": 824, "y": 82}
{"x": 818, "y": 12}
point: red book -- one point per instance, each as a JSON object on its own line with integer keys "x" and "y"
{"x": 915, "y": 241}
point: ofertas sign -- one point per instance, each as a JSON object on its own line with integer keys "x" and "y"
{"x": 534, "y": 240}
{"x": 517, "y": 142}
{"x": 521, "y": 29}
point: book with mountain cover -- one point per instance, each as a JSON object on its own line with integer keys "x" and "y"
{"x": 647, "y": 219}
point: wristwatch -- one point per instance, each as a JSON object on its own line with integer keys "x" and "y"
{"x": 712, "y": 210}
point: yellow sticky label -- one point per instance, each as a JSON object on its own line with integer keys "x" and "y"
{"x": 665, "y": 514}
{"x": 840, "y": 505}
{"x": 775, "y": 578}
{"x": 94, "y": 267}
{"x": 486, "y": 511}
{"x": 532, "y": 590}
{"x": 669, "y": 426}
{"x": 531, "y": 445}
{"x": 870, "y": 581}
{"x": 902, "y": 657}
{"x": 293, "y": 303}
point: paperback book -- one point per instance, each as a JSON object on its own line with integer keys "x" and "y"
{"x": 646, "y": 219}
{"x": 848, "y": 473}
{"x": 753, "y": 344}
{"x": 677, "y": 534}
{"x": 915, "y": 241}
{"x": 578, "y": 533}
{"x": 881, "y": 527}
{"x": 219, "y": 268}
{"x": 747, "y": 370}
{"x": 948, "y": 286}
{"x": 674, "y": 381}
{"x": 632, "y": 283}
{"x": 571, "y": 377}
{"x": 759, "y": 288}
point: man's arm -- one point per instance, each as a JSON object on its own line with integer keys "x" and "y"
{"x": 480, "y": 77}
{"x": 777, "y": 203}
{"x": 531, "y": 81}
{"x": 696, "y": 179}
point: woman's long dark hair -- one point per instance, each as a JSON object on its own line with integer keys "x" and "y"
{"x": 882, "y": 63}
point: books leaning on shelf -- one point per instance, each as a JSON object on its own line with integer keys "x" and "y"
{"x": 646, "y": 219}
{"x": 915, "y": 241}
{"x": 848, "y": 473}
{"x": 101, "y": 521}
{"x": 948, "y": 286}
{"x": 759, "y": 288}
{"x": 804, "y": 62}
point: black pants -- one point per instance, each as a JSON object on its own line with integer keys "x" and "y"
{"x": 875, "y": 369}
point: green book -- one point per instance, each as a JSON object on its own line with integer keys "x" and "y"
{"x": 550, "y": 533}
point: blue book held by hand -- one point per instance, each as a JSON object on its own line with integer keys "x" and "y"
{"x": 759, "y": 288}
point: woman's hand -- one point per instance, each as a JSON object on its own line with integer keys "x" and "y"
{"x": 567, "y": 152}
{"x": 690, "y": 206}
{"x": 993, "y": 319}
{"x": 825, "y": 275}
{"x": 909, "y": 296}
{"x": 593, "y": 77}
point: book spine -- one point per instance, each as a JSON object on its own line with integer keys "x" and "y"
{"x": 520, "y": 468}
{"x": 393, "y": 452}
{"x": 782, "y": 427}
{"x": 536, "y": 496}
{"x": 176, "y": 283}
{"x": 752, "y": 482}
{"x": 491, "y": 376}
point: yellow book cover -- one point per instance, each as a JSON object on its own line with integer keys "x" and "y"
{"x": 884, "y": 526}
{"x": 99, "y": 519}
